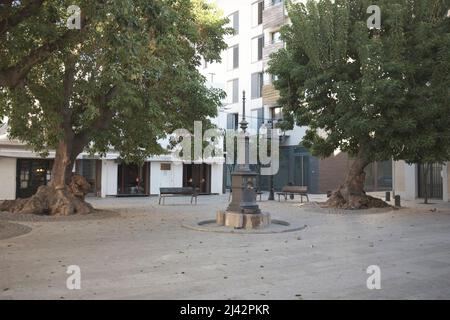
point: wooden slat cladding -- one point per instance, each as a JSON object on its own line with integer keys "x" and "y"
{"x": 270, "y": 95}
{"x": 270, "y": 48}
{"x": 273, "y": 16}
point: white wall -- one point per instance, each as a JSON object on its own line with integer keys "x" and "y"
{"x": 109, "y": 178}
{"x": 217, "y": 178}
{"x": 8, "y": 178}
{"x": 165, "y": 178}
{"x": 445, "y": 182}
{"x": 409, "y": 175}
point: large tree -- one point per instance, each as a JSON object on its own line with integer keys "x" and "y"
{"x": 377, "y": 94}
{"x": 31, "y": 30}
{"x": 131, "y": 80}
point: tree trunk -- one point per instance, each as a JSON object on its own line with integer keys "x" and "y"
{"x": 63, "y": 196}
{"x": 351, "y": 194}
{"x": 62, "y": 166}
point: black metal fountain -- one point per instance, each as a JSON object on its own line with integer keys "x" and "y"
{"x": 243, "y": 212}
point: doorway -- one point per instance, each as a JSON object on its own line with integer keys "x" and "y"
{"x": 133, "y": 180}
{"x": 91, "y": 170}
{"x": 31, "y": 174}
{"x": 433, "y": 180}
{"x": 198, "y": 175}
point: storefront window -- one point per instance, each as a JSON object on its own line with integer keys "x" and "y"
{"x": 132, "y": 179}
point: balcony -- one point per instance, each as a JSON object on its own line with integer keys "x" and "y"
{"x": 273, "y": 15}
{"x": 270, "y": 95}
{"x": 270, "y": 48}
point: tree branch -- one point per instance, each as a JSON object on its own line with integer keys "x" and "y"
{"x": 14, "y": 75}
{"x": 68, "y": 81}
{"x": 102, "y": 122}
{"x": 27, "y": 11}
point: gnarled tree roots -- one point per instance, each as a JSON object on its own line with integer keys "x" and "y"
{"x": 49, "y": 200}
{"x": 343, "y": 200}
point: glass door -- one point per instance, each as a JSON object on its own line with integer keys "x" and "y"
{"x": 31, "y": 174}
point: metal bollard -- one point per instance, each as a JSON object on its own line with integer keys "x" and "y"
{"x": 388, "y": 196}
{"x": 397, "y": 201}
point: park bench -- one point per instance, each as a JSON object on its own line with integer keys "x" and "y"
{"x": 302, "y": 191}
{"x": 177, "y": 192}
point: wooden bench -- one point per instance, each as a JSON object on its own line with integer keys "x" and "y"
{"x": 302, "y": 191}
{"x": 177, "y": 192}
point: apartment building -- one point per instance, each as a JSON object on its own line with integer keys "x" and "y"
{"x": 256, "y": 36}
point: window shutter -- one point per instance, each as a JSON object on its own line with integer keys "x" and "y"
{"x": 230, "y": 120}
{"x": 260, "y": 12}
{"x": 260, "y": 118}
{"x": 236, "y": 22}
{"x": 254, "y": 85}
{"x": 235, "y": 90}
{"x": 260, "y": 48}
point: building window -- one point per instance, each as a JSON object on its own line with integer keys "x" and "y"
{"x": 275, "y": 37}
{"x": 273, "y": 78}
{"x": 89, "y": 170}
{"x": 233, "y": 58}
{"x": 257, "y": 84}
{"x": 260, "y": 118}
{"x": 132, "y": 179}
{"x": 276, "y": 114}
{"x": 257, "y": 13}
{"x": 234, "y": 22}
{"x": 165, "y": 167}
{"x": 232, "y": 121}
{"x": 275, "y": 2}
{"x": 257, "y": 118}
{"x": 233, "y": 91}
{"x": 257, "y": 48}
{"x": 30, "y": 175}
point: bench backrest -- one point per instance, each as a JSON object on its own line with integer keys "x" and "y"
{"x": 295, "y": 189}
{"x": 182, "y": 190}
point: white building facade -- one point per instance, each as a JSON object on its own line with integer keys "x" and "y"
{"x": 22, "y": 171}
{"x": 409, "y": 180}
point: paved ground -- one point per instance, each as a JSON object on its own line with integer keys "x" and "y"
{"x": 145, "y": 254}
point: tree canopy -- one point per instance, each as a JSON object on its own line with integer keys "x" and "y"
{"x": 124, "y": 80}
{"x": 374, "y": 93}
{"x": 131, "y": 79}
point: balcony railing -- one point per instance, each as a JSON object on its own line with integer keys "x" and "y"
{"x": 270, "y": 48}
{"x": 270, "y": 95}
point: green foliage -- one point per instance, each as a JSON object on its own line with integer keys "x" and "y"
{"x": 382, "y": 93}
{"x": 133, "y": 80}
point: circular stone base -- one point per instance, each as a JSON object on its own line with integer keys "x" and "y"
{"x": 243, "y": 220}
{"x": 276, "y": 226}
{"x": 11, "y": 230}
{"x": 19, "y": 217}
